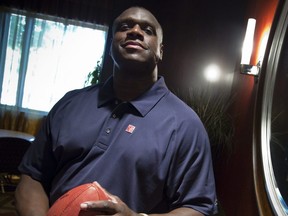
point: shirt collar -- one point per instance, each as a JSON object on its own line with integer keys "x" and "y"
{"x": 106, "y": 93}
{"x": 144, "y": 103}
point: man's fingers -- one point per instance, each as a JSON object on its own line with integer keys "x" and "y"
{"x": 106, "y": 206}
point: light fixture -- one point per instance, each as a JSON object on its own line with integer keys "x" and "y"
{"x": 246, "y": 67}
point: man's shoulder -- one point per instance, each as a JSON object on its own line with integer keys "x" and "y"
{"x": 179, "y": 106}
{"x": 82, "y": 91}
{"x": 77, "y": 97}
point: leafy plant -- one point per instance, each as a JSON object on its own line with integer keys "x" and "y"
{"x": 93, "y": 77}
{"x": 213, "y": 110}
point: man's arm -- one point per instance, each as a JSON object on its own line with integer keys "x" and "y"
{"x": 181, "y": 212}
{"x": 31, "y": 199}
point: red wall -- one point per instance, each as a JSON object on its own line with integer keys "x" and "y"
{"x": 234, "y": 176}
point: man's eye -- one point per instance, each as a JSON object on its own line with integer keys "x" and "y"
{"x": 124, "y": 27}
{"x": 149, "y": 30}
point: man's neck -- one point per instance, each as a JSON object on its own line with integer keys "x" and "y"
{"x": 128, "y": 88}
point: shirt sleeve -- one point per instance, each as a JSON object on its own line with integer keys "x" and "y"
{"x": 39, "y": 161}
{"x": 191, "y": 179}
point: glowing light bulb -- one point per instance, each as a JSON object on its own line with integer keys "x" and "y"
{"x": 248, "y": 42}
{"x": 212, "y": 73}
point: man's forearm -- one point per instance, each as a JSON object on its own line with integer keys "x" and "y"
{"x": 179, "y": 212}
{"x": 31, "y": 199}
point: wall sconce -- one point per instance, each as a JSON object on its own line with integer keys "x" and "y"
{"x": 246, "y": 67}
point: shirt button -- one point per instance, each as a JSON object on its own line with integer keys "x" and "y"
{"x": 114, "y": 116}
{"x": 108, "y": 130}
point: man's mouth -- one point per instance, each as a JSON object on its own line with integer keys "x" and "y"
{"x": 133, "y": 45}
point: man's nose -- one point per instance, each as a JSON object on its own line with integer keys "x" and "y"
{"x": 136, "y": 31}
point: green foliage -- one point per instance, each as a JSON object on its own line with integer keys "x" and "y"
{"x": 93, "y": 77}
{"x": 213, "y": 110}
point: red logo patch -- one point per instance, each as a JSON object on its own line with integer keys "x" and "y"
{"x": 130, "y": 128}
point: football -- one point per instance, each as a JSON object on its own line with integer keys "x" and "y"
{"x": 69, "y": 203}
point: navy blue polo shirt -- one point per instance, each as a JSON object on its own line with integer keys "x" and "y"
{"x": 152, "y": 152}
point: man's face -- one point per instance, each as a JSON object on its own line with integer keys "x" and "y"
{"x": 137, "y": 37}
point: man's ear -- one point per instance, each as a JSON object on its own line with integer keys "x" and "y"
{"x": 161, "y": 51}
{"x": 110, "y": 48}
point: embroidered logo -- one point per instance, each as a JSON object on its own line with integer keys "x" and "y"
{"x": 130, "y": 128}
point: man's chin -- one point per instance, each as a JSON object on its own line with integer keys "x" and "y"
{"x": 137, "y": 64}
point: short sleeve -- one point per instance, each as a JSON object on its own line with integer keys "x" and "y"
{"x": 191, "y": 179}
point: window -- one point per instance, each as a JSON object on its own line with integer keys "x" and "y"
{"x": 43, "y": 58}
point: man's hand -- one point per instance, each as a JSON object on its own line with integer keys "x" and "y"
{"x": 112, "y": 206}
{"x": 115, "y": 206}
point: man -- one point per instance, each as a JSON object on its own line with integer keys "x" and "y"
{"x": 131, "y": 135}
